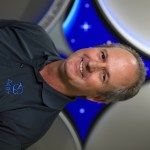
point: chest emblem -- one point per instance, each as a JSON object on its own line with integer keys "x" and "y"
{"x": 12, "y": 88}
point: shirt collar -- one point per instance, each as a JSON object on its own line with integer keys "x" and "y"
{"x": 53, "y": 98}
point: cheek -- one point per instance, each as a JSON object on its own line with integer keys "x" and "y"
{"x": 95, "y": 83}
{"x": 94, "y": 80}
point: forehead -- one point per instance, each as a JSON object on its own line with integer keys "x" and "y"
{"x": 122, "y": 66}
{"x": 124, "y": 54}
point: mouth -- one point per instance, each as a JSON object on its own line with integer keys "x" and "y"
{"x": 81, "y": 67}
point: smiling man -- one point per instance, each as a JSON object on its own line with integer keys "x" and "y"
{"x": 91, "y": 71}
{"x": 36, "y": 84}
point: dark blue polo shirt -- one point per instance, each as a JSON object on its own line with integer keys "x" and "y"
{"x": 28, "y": 106}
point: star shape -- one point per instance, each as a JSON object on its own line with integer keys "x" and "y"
{"x": 85, "y": 26}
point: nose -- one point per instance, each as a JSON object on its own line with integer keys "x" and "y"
{"x": 95, "y": 65}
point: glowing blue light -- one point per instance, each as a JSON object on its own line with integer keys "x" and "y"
{"x": 82, "y": 110}
{"x": 67, "y": 24}
{"x": 85, "y": 26}
{"x": 87, "y": 5}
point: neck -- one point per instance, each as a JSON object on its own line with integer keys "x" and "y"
{"x": 52, "y": 74}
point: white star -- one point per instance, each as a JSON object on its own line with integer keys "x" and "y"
{"x": 87, "y": 5}
{"x": 82, "y": 110}
{"x": 109, "y": 42}
{"x": 73, "y": 40}
{"x": 85, "y": 26}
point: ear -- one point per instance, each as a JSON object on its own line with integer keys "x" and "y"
{"x": 96, "y": 98}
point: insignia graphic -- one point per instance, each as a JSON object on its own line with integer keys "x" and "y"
{"x": 17, "y": 88}
{"x": 13, "y": 88}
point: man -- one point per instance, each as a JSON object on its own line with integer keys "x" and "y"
{"x": 36, "y": 84}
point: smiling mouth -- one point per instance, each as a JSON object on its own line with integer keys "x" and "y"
{"x": 81, "y": 67}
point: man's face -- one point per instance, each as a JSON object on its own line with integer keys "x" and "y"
{"x": 92, "y": 70}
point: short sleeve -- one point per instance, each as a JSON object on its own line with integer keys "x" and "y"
{"x": 24, "y": 41}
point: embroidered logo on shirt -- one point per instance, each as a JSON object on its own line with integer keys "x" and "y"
{"x": 13, "y": 88}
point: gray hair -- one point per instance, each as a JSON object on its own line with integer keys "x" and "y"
{"x": 128, "y": 92}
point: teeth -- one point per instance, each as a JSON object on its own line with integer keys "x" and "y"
{"x": 81, "y": 66}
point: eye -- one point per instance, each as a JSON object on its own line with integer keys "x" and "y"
{"x": 104, "y": 76}
{"x": 103, "y": 56}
